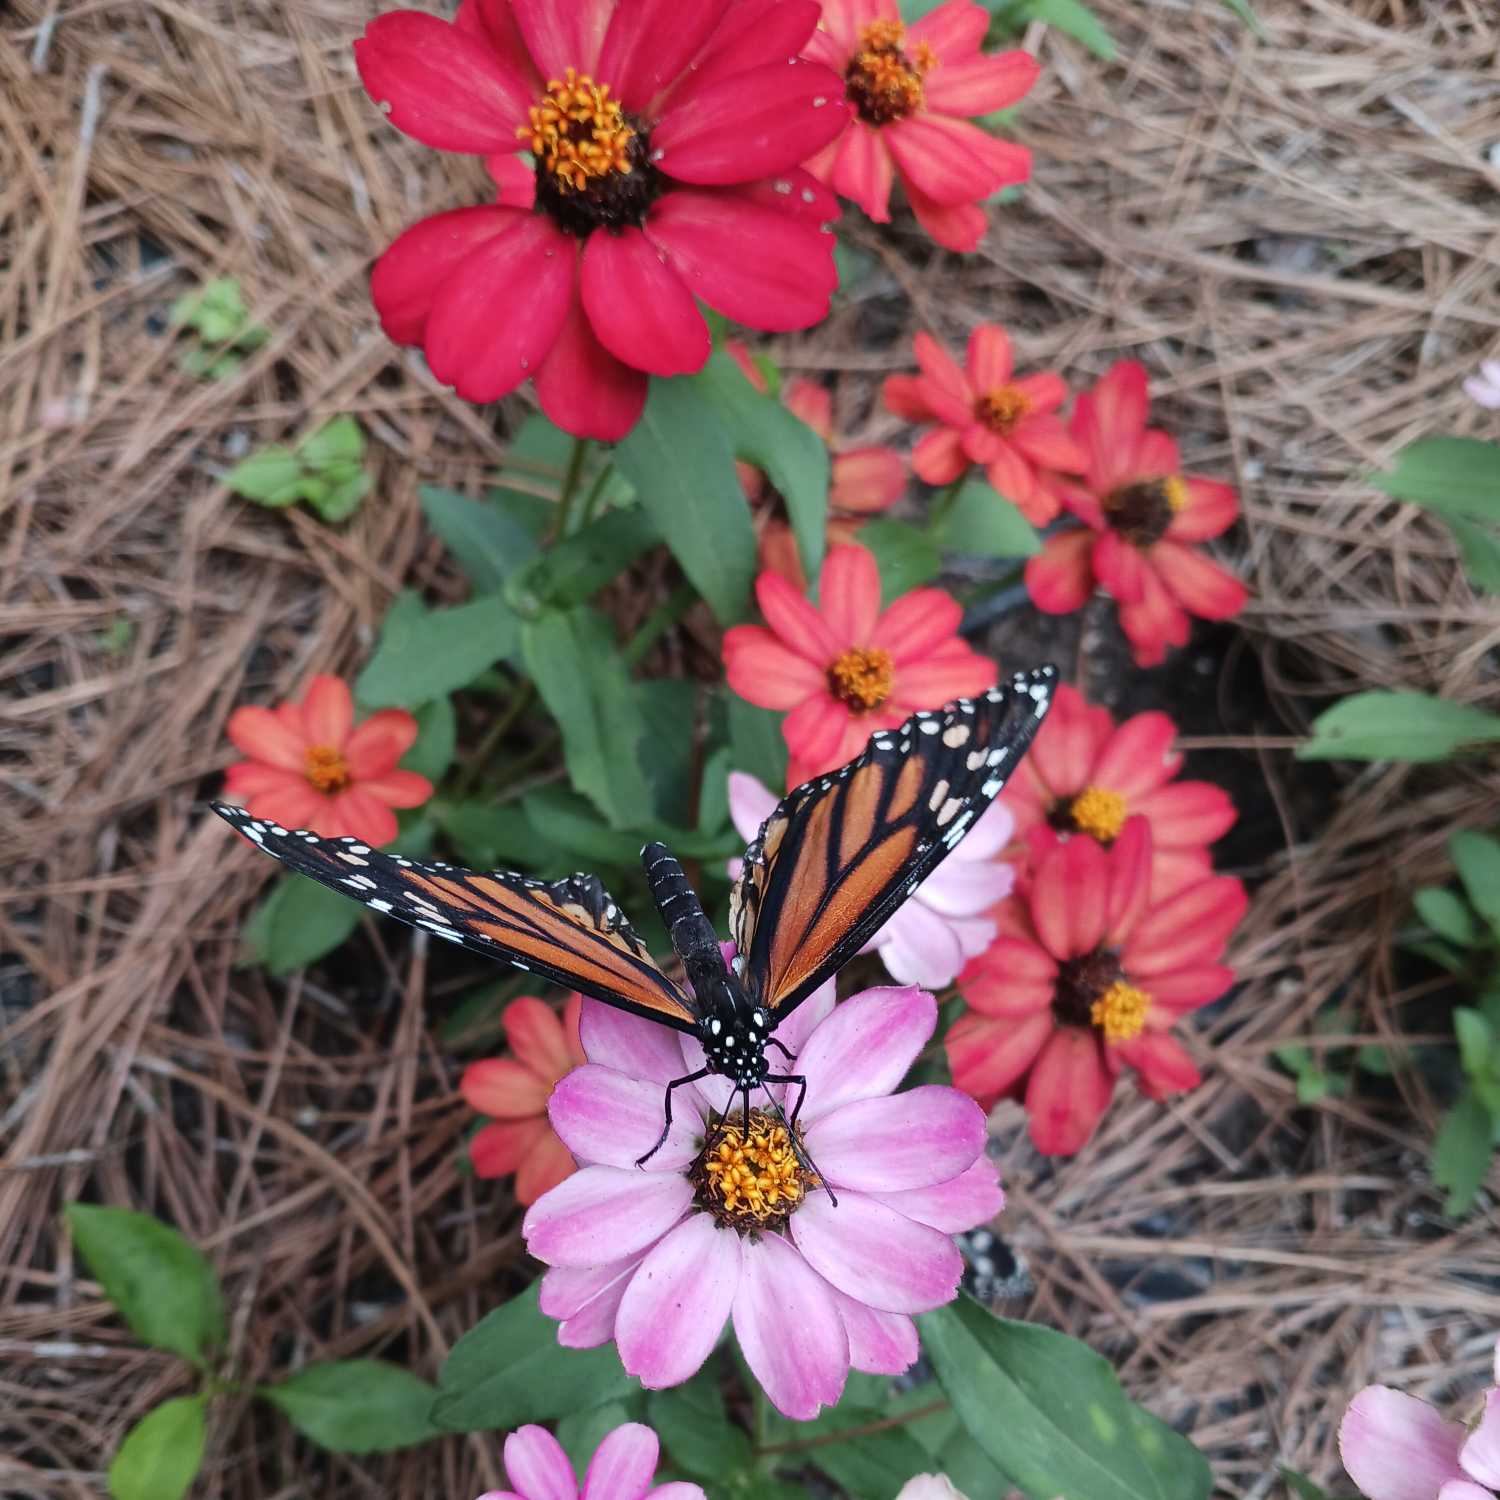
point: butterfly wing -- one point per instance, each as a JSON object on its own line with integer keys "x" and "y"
{"x": 568, "y": 931}
{"x": 842, "y": 852}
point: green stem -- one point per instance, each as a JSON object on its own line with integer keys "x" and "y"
{"x": 658, "y": 622}
{"x": 596, "y": 493}
{"x": 569, "y": 490}
{"x": 849, "y": 1434}
{"x": 496, "y": 733}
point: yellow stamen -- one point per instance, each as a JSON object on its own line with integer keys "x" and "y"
{"x": 1001, "y": 408}
{"x": 1120, "y": 1012}
{"x": 1176, "y": 492}
{"x": 325, "y": 768}
{"x": 1099, "y": 812}
{"x": 861, "y": 678}
{"x": 577, "y": 132}
{"x": 750, "y": 1179}
{"x": 883, "y": 82}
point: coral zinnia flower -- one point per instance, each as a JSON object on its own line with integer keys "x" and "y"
{"x": 513, "y": 1092}
{"x": 861, "y": 482}
{"x": 310, "y": 767}
{"x": 913, "y": 91}
{"x": 847, "y": 667}
{"x": 666, "y": 140}
{"x": 721, "y": 1224}
{"x": 621, "y": 1468}
{"x": 1084, "y": 774}
{"x": 1141, "y": 513}
{"x": 1087, "y": 977}
{"x": 947, "y": 920}
{"x": 985, "y": 416}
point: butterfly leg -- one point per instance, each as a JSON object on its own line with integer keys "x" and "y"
{"x": 799, "y": 1150}
{"x": 666, "y": 1128}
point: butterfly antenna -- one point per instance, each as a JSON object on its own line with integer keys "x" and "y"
{"x": 804, "y": 1160}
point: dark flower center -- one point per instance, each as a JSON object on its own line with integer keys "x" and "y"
{"x": 1001, "y": 408}
{"x": 1141, "y": 512}
{"x": 749, "y": 1178}
{"x": 882, "y": 82}
{"x": 1093, "y": 991}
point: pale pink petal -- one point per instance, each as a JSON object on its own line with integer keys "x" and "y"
{"x": 567, "y": 1290}
{"x": 1466, "y": 1489}
{"x": 864, "y": 1048}
{"x": 962, "y": 887}
{"x": 750, "y": 804}
{"x": 962, "y": 1203}
{"x": 918, "y": 946}
{"x": 912, "y": 1139}
{"x": 594, "y": 1323}
{"x": 606, "y": 1118}
{"x": 536, "y": 1464}
{"x": 880, "y": 1343}
{"x": 629, "y": 1044}
{"x": 623, "y": 1464}
{"x": 1396, "y": 1447}
{"x": 1480, "y": 1456}
{"x": 603, "y": 1213}
{"x": 795, "y": 1030}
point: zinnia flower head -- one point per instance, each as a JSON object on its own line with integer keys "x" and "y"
{"x": 1485, "y": 386}
{"x": 1084, "y": 774}
{"x": 309, "y": 766}
{"x": 947, "y": 920}
{"x": 913, "y": 91}
{"x": 1141, "y": 515}
{"x": 1087, "y": 977}
{"x": 621, "y": 1469}
{"x": 513, "y": 1092}
{"x": 666, "y": 139}
{"x": 985, "y": 415}
{"x": 1396, "y": 1447}
{"x": 723, "y": 1224}
{"x": 847, "y": 668}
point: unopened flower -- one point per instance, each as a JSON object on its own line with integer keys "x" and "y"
{"x": 985, "y": 415}
{"x": 947, "y": 920}
{"x": 913, "y": 92}
{"x": 1084, "y": 774}
{"x": 929, "y": 1487}
{"x": 1141, "y": 516}
{"x": 665, "y": 140}
{"x": 311, "y": 767}
{"x": 724, "y": 1223}
{"x": 846, "y": 668}
{"x": 622, "y": 1468}
{"x": 1485, "y": 386}
{"x": 1087, "y": 977}
{"x": 513, "y": 1092}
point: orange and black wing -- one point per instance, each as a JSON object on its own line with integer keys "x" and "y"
{"x": 841, "y": 853}
{"x": 568, "y": 931}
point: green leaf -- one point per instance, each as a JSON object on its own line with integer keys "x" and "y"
{"x": 1070, "y": 16}
{"x": 164, "y": 1286}
{"x": 492, "y": 835}
{"x": 1300, "y": 1485}
{"x": 679, "y": 460}
{"x": 1314, "y": 1085}
{"x": 509, "y": 1369}
{"x": 424, "y": 654}
{"x": 667, "y": 709}
{"x": 1397, "y": 726}
{"x": 1445, "y": 914}
{"x": 764, "y": 433}
{"x": 340, "y": 441}
{"x": 872, "y": 1465}
{"x": 1480, "y": 550}
{"x": 756, "y": 742}
{"x": 982, "y": 521}
{"x": 216, "y": 305}
{"x": 297, "y": 923}
{"x": 271, "y": 477}
{"x": 905, "y": 556}
{"x": 1478, "y": 861}
{"x": 1476, "y": 1040}
{"x": 357, "y": 1405}
{"x": 695, "y": 1429}
{"x": 161, "y": 1454}
{"x": 341, "y": 495}
{"x": 1450, "y": 475}
{"x": 1050, "y": 1413}
{"x": 1374, "y": 1058}
{"x": 577, "y": 567}
{"x": 437, "y": 734}
{"x": 486, "y": 542}
{"x": 713, "y": 791}
{"x": 572, "y": 826}
{"x": 1461, "y": 1152}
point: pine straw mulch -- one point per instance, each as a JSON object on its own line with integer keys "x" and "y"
{"x": 1296, "y": 232}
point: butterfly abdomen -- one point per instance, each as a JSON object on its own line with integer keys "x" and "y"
{"x": 691, "y": 932}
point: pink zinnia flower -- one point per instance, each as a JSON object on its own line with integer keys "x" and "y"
{"x": 846, "y": 668}
{"x": 513, "y": 1092}
{"x": 310, "y": 767}
{"x": 1087, "y": 977}
{"x": 621, "y": 1469}
{"x": 1141, "y": 514}
{"x": 1397, "y": 1447}
{"x": 1485, "y": 386}
{"x": 722, "y": 1227}
{"x": 985, "y": 416}
{"x": 947, "y": 920}
{"x": 913, "y": 92}
{"x": 1085, "y": 774}
{"x": 666, "y": 140}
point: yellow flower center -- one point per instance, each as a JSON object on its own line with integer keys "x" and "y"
{"x": 325, "y": 768}
{"x": 1098, "y": 812}
{"x": 1120, "y": 1012}
{"x": 577, "y": 133}
{"x": 749, "y": 1179}
{"x": 1176, "y": 492}
{"x": 1001, "y": 408}
{"x": 882, "y": 81}
{"x": 861, "y": 678}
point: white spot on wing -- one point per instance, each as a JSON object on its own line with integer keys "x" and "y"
{"x": 956, "y": 736}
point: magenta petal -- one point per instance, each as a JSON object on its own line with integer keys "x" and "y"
{"x": 865, "y": 1047}
{"x": 962, "y": 1203}
{"x": 584, "y": 389}
{"x": 536, "y": 1464}
{"x": 789, "y": 1329}
{"x": 880, "y": 1343}
{"x": 639, "y": 308}
{"x": 563, "y": 36}
{"x": 628, "y": 1044}
{"x": 567, "y": 1290}
{"x": 1396, "y": 1447}
{"x": 623, "y": 1464}
{"x": 750, "y": 32}
{"x": 795, "y": 1030}
{"x": 608, "y": 1119}
{"x": 650, "y": 42}
{"x": 601, "y": 1214}
{"x": 915, "y": 1139}
{"x": 407, "y": 277}
{"x": 675, "y": 1306}
{"x": 871, "y": 1252}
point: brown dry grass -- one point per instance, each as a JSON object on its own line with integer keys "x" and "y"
{"x": 1297, "y": 233}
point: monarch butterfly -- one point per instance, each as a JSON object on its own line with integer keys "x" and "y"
{"x": 836, "y": 857}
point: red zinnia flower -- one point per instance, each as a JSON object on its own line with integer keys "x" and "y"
{"x": 1141, "y": 512}
{"x": 310, "y": 767}
{"x": 847, "y": 667}
{"x": 986, "y": 417}
{"x": 1084, "y": 774}
{"x": 513, "y": 1091}
{"x": 913, "y": 91}
{"x": 675, "y": 130}
{"x": 1088, "y": 977}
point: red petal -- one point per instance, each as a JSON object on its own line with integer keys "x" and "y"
{"x": 991, "y": 358}
{"x": 505, "y": 1089}
{"x": 849, "y": 593}
{"x": 515, "y": 182}
{"x": 917, "y": 623}
{"x": 1069, "y": 742}
{"x": 1120, "y": 567}
{"x": 750, "y": 33}
{"x": 399, "y": 788}
{"x": 1211, "y": 509}
{"x": 548, "y": 1163}
{"x": 763, "y": 671}
{"x": 955, "y": 226}
{"x": 1048, "y": 443}
{"x": 639, "y": 307}
{"x": 260, "y": 734}
{"x": 1156, "y": 454}
{"x": 905, "y": 395}
{"x": 442, "y": 86}
{"x": 499, "y": 1149}
{"x": 865, "y": 481}
{"x": 1130, "y": 861}
{"x": 951, "y": 30}
{"x": 583, "y": 388}
{"x": 328, "y": 711}
{"x": 799, "y": 625}
{"x": 862, "y": 170}
{"x": 986, "y": 1056}
{"x": 494, "y": 23}
{"x": 1068, "y": 1091}
{"x": 951, "y": 161}
{"x": 948, "y": 390}
{"x": 407, "y": 277}
{"x": 1202, "y": 587}
{"x": 981, "y": 85}
{"x": 980, "y": 443}
{"x": 254, "y": 778}
{"x": 1012, "y": 978}
{"x": 1183, "y": 990}
{"x": 941, "y": 677}
{"x": 1061, "y": 577}
{"x": 811, "y": 403}
{"x": 296, "y": 807}
{"x": 1188, "y": 812}
{"x": 1163, "y": 1065}
{"x": 1153, "y": 624}
{"x": 939, "y": 456}
{"x": 497, "y": 314}
{"x": 1011, "y": 476}
{"x": 814, "y": 730}
{"x": 650, "y": 42}
{"x": 1110, "y": 422}
{"x": 1186, "y": 932}
{"x": 1138, "y": 757}
{"x": 1070, "y": 898}
{"x": 536, "y": 1039}
{"x": 563, "y": 36}
{"x": 378, "y": 743}
{"x": 364, "y": 816}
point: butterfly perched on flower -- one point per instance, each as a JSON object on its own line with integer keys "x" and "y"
{"x": 829, "y": 866}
